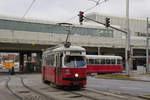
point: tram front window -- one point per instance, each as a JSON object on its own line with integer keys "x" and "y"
{"x": 74, "y": 61}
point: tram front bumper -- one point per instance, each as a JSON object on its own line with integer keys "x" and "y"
{"x": 74, "y": 81}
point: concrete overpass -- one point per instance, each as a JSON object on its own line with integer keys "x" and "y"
{"x": 27, "y": 36}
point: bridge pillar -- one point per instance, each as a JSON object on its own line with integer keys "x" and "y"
{"x": 21, "y": 61}
{"x": 29, "y": 54}
{"x": 98, "y": 50}
{"x": 39, "y": 62}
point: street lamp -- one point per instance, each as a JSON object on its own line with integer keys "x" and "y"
{"x": 128, "y": 63}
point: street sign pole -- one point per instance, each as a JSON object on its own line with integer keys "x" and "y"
{"x": 147, "y": 49}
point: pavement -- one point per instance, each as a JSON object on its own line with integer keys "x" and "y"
{"x": 145, "y": 77}
{"x": 140, "y": 76}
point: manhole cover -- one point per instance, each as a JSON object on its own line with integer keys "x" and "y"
{"x": 24, "y": 91}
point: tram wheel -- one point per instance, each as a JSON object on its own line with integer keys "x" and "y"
{"x": 43, "y": 81}
{"x": 53, "y": 85}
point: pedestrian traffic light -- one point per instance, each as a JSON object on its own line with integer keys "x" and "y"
{"x": 81, "y": 17}
{"x": 107, "y": 24}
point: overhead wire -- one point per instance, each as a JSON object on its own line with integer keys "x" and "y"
{"x": 29, "y": 8}
{"x": 97, "y": 4}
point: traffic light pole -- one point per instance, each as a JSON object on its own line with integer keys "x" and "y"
{"x": 147, "y": 49}
{"x": 105, "y": 25}
{"x": 128, "y": 48}
{"x": 147, "y": 54}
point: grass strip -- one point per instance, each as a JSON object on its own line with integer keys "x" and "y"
{"x": 145, "y": 96}
{"x": 114, "y": 76}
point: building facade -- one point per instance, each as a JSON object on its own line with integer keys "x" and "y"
{"x": 138, "y": 27}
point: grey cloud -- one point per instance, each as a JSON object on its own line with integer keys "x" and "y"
{"x": 65, "y": 9}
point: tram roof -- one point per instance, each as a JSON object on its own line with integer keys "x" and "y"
{"x": 103, "y": 56}
{"x": 62, "y": 48}
{"x": 71, "y": 48}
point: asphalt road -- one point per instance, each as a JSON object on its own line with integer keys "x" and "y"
{"x": 119, "y": 86}
{"x": 39, "y": 91}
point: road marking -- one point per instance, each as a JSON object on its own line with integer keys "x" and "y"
{"x": 107, "y": 93}
{"x": 130, "y": 88}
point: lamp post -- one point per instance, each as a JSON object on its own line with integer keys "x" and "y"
{"x": 127, "y": 50}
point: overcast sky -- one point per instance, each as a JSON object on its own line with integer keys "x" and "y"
{"x": 62, "y": 10}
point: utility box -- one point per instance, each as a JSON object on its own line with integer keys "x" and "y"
{"x": 141, "y": 70}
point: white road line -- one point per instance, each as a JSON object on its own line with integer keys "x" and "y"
{"x": 130, "y": 88}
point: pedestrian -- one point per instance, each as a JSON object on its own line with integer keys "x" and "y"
{"x": 12, "y": 70}
{"x": 9, "y": 71}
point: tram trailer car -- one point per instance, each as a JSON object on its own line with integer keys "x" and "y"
{"x": 104, "y": 64}
{"x": 65, "y": 66}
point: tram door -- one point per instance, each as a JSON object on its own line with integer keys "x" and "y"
{"x": 58, "y": 68}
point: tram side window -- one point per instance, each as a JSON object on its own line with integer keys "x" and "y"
{"x": 107, "y": 61}
{"x": 102, "y": 61}
{"x": 97, "y": 61}
{"x": 87, "y": 61}
{"x": 49, "y": 60}
{"x": 113, "y": 61}
{"x": 52, "y": 60}
{"x": 91, "y": 61}
{"x": 44, "y": 61}
{"x": 119, "y": 61}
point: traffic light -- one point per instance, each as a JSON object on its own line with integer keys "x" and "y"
{"x": 128, "y": 54}
{"x": 81, "y": 17}
{"x": 107, "y": 22}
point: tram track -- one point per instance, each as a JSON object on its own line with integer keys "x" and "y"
{"x": 3, "y": 80}
{"x": 91, "y": 94}
{"x": 86, "y": 94}
{"x": 11, "y": 91}
{"x": 30, "y": 89}
{"x": 83, "y": 94}
{"x": 35, "y": 91}
{"x": 115, "y": 94}
{"x": 25, "y": 92}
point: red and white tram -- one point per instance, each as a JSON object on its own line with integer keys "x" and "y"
{"x": 65, "y": 66}
{"x": 103, "y": 64}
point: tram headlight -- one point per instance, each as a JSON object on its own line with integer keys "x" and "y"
{"x": 76, "y": 75}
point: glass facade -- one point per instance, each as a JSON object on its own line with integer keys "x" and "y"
{"x": 51, "y": 28}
